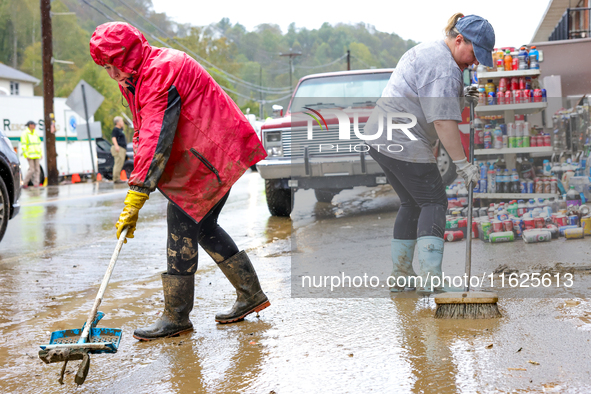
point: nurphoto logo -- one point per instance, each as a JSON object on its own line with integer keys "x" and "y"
{"x": 344, "y": 121}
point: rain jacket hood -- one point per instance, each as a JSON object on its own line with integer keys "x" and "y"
{"x": 119, "y": 44}
{"x": 191, "y": 141}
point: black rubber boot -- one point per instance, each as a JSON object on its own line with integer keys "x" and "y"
{"x": 179, "y": 291}
{"x": 240, "y": 272}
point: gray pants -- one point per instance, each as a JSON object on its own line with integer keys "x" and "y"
{"x": 32, "y": 173}
{"x": 119, "y": 161}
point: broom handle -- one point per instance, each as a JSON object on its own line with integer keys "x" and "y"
{"x": 101, "y": 292}
{"x": 470, "y": 199}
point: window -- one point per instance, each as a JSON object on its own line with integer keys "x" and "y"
{"x": 14, "y": 88}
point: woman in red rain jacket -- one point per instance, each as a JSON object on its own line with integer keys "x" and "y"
{"x": 191, "y": 142}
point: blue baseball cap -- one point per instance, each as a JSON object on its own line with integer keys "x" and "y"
{"x": 480, "y": 32}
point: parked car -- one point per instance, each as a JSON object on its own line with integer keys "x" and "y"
{"x": 106, "y": 159}
{"x": 297, "y": 161}
{"x": 10, "y": 183}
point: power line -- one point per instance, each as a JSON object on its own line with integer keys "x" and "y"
{"x": 323, "y": 65}
{"x": 168, "y": 46}
{"x": 361, "y": 61}
{"x": 99, "y": 11}
{"x": 231, "y": 77}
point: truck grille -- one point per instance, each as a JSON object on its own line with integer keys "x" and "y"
{"x": 294, "y": 140}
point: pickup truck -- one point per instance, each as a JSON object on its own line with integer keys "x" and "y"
{"x": 304, "y": 146}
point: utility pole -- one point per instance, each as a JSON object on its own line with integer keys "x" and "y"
{"x": 291, "y": 56}
{"x": 348, "y": 60}
{"x": 47, "y": 55}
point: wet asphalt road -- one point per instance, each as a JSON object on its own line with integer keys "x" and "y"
{"x": 351, "y": 340}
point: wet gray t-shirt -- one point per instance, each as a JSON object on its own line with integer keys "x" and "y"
{"x": 426, "y": 83}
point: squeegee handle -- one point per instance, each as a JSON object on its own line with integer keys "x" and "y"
{"x": 101, "y": 292}
{"x": 470, "y": 203}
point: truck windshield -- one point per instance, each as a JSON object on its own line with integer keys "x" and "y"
{"x": 356, "y": 90}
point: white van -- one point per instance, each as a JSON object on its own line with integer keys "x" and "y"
{"x": 73, "y": 155}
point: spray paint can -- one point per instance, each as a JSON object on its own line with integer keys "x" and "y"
{"x": 537, "y": 235}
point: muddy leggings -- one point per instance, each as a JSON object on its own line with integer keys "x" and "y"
{"x": 423, "y": 201}
{"x": 184, "y": 235}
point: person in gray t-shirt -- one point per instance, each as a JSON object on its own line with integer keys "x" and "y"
{"x": 426, "y": 88}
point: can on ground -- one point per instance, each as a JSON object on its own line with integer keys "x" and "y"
{"x": 451, "y": 236}
{"x": 474, "y": 230}
{"x": 574, "y": 233}
{"x": 518, "y": 227}
{"x": 529, "y": 224}
{"x": 503, "y": 236}
{"x": 562, "y": 229}
{"x": 508, "y": 225}
{"x": 537, "y": 235}
{"x": 497, "y": 226}
{"x": 486, "y": 230}
{"x": 561, "y": 220}
{"x": 573, "y": 220}
{"x": 553, "y": 230}
{"x": 586, "y": 224}
{"x": 539, "y": 222}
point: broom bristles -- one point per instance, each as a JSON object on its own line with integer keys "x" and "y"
{"x": 467, "y": 311}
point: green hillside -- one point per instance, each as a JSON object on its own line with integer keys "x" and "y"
{"x": 246, "y": 63}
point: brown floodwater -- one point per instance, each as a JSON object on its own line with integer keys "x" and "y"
{"x": 56, "y": 250}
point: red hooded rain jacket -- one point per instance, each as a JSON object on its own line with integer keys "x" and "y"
{"x": 191, "y": 140}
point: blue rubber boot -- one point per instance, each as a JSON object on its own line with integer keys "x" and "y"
{"x": 430, "y": 255}
{"x": 403, "y": 251}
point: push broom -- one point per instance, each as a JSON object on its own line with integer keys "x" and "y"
{"x": 78, "y": 344}
{"x": 468, "y": 304}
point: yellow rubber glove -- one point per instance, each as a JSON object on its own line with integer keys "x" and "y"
{"x": 128, "y": 218}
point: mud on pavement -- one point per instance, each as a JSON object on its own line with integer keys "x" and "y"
{"x": 351, "y": 343}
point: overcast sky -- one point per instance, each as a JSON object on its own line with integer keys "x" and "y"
{"x": 514, "y": 21}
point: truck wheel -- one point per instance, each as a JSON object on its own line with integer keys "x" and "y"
{"x": 446, "y": 167}
{"x": 4, "y": 208}
{"x": 325, "y": 195}
{"x": 279, "y": 199}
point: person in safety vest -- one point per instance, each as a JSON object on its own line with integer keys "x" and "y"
{"x": 192, "y": 142}
{"x": 31, "y": 148}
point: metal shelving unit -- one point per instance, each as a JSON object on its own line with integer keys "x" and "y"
{"x": 512, "y": 73}
{"x": 504, "y": 151}
{"x": 513, "y": 196}
{"x": 504, "y": 109}
{"x": 508, "y": 111}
